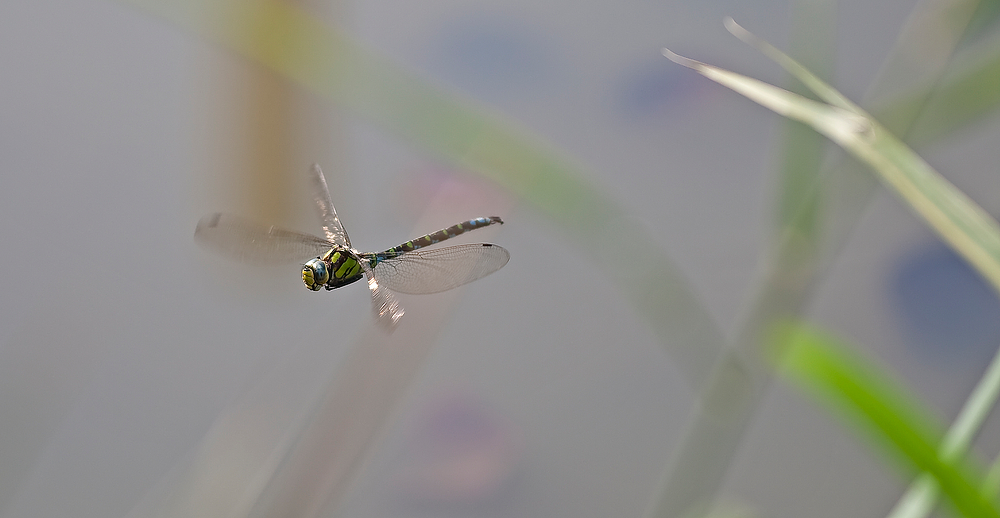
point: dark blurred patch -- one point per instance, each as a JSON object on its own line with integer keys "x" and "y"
{"x": 489, "y": 54}
{"x": 658, "y": 90}
{"x": 946, "y": 309}
{"x": 983, "y": 23}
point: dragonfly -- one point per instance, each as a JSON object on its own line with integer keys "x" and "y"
{"x": 409, "y": 268}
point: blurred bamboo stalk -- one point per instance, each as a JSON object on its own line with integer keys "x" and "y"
{"x": 264, "y": 130}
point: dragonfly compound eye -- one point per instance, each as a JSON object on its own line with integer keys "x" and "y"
{"x": 315, "y": 274}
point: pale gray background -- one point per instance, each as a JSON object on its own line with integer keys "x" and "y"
{"x": 118, "y": 350}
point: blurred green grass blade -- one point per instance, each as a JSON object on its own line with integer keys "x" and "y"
{"x": 919, "y": 500}
{"x": 911, "y": 96}
{"x": 795, "y": 265}
{"x": 953, "y": 215}
{"x": 794, "y": 268}
{"x": 289, "y": 41}
{"x": 870, "y": 401}
{"x": 813, "y": 83}
{"x": 956, "y": 218}
{"x": 991, "y": 486}
{"x": 948, "y": 210}
{"x": 839, "y": 124}
{"x": 803, "y": 150}
{"x": 986, "y": 16}
{"x": 921, "y": 496}
{"x": 909, "y": 72}
{"x": 713, "y": 432}
{"x": 957, "y": 103}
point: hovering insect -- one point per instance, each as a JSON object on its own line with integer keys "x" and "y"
{"x": 407, "y": 268}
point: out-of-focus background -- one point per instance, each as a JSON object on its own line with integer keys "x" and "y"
{"x": 143, "y": 376}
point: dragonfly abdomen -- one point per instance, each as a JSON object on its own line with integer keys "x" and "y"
{"x": 441, "y": 235}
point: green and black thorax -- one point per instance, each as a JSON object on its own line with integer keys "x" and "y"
{"x": 337, "y": 267}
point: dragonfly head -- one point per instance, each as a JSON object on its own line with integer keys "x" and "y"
{"x": 315, "y": 274}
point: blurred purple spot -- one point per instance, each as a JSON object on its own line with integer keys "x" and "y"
{"x": 658, "y": 89}
{"x": 490, "y": 54}
{"x": 461, "y": 458}
{"x": 945, "y": 307}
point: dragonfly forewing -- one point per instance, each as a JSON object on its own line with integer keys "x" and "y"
{"x": 328, "y": 219}
{"x": 254, "y": 243}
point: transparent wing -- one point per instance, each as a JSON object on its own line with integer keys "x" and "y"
{"x": 332, "y": 228}
{"x": 431, "y": 271}
{"x": 253, "y": 243}
{"x": 384, "y": 304}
